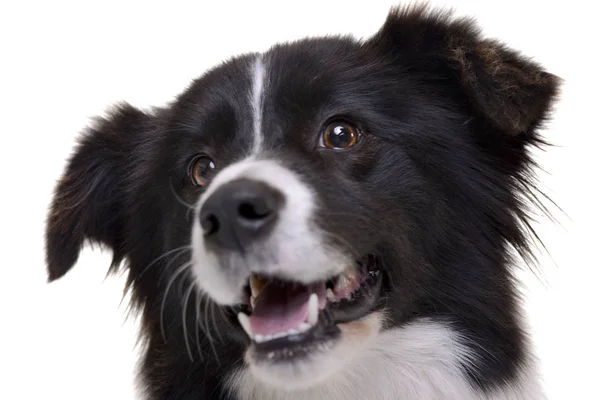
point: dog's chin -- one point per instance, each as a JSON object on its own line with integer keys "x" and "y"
{"x": 308, "y": 365}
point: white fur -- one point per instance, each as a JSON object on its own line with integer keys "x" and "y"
{"x": 420, "y": 361}
{"x": 296, "y": 248}
{"x": 258, "y": 80}
{"x": 205, "y": 267}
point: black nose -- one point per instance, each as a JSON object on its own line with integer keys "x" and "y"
{"x": 240, "y": 212}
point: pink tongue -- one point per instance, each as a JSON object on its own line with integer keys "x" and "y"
{"x": 279, "y": 308}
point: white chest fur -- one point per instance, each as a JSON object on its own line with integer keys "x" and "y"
{"x": 416, "y": 362}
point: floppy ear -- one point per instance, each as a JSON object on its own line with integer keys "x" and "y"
{"x": 509, "y": 91}
{"x": 89, "y": 198}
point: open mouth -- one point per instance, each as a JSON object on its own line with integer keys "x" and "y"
{"x": 286, "y": 319}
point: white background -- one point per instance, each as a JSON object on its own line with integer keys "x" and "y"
{"x": 63, "y": 63}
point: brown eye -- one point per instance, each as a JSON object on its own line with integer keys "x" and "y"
{"x": 201, "y": 170}
{"x": 340, "y": 135}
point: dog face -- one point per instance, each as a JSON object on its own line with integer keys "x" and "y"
{"x": 316, "y": 194}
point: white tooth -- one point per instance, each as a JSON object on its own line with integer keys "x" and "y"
{"x": 347, "y": 278}
{"x": 252, "y": 301}
{"x": 268, "y": 337}
{"x": 304, "y": 327}
{"x": 342, "y": 282}
{"x": 271, "y": 354}
{"x": 330, "y": 295}
{"x": 245, "y": 323}
{"x": 313, "y": 309}
{"x": 279, "y": 335}
{"x": 256, "y": 285}
{"x": 292, "y": 332}
{"x": 259, "y": 338}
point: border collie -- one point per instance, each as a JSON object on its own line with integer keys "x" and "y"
{"x": 331, "y": 219}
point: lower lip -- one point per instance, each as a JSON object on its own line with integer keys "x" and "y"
{"x": 299, "y": 345}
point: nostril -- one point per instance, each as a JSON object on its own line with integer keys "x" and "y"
{"x": 210, "y": 224}
{"x": 239, "y": 213}
{"x": 254, "y": 210}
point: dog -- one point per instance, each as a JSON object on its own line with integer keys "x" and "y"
{"x": 331, "y": 219}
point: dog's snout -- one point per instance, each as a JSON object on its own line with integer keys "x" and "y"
{"x": 240, "y": 212}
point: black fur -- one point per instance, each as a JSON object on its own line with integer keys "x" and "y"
{"x": 439, "y": 186}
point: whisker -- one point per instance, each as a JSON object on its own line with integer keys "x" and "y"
{"x": 181, "y": 282}
{"x": 181, "y": 249}
{"x": 206, "y": 328}
{"x": 205, "y": 316}
{"x": 223, "y": 316}
{"x": 177, "y": 273}
{"x": 180, "y": 290}
{"x": 189, "y": 207}
{"x": 197, "y": 323}
{"x": 184, "y": 319}
{"x": 212, "y": 318}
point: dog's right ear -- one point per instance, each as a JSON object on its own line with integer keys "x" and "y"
{"x": 506, "y": 90}
{"x": 89, "y": 198}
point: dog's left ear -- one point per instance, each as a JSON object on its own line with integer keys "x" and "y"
{"x": 509, "y": 91}
{"x": 89, "y": 198}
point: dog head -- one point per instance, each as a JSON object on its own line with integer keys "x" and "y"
{"x": 318, "y": 193}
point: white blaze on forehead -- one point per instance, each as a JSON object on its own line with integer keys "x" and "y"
{"x": 257, "y": 95}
